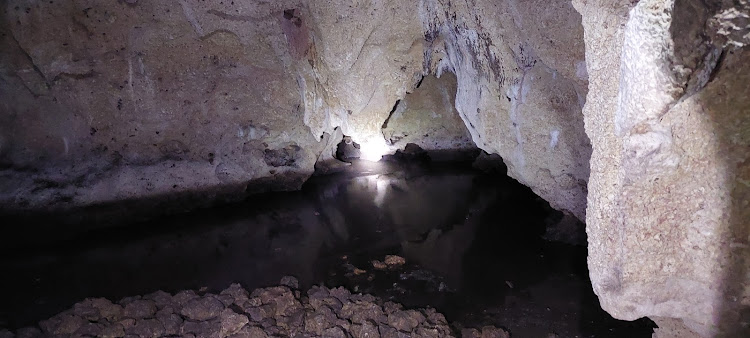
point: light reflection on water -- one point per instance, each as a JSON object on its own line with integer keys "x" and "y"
{"x": 254, "y": 243}
{"x": 477, "y": 236}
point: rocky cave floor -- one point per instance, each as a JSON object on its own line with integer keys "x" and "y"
{"x": 389, "y": 250}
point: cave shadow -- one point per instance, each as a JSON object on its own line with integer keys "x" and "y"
{"x": 728, "y": 106}
{"x": 255, "y": 242}
{"x": 724, "y": 102}
{"x": 531, "y": 285}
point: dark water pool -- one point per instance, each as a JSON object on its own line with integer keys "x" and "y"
{"x": 473, "y": 245}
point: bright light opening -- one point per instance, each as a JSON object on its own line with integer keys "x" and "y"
{"x": 373, "y": 149}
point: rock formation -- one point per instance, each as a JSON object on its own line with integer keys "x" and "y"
{"x": 427, "y": 118}
{"x": 278, "y": 311}
{"x": 188, "y": 102}
{"x": 668, "y": 116}
{"x": 189, "y": 98}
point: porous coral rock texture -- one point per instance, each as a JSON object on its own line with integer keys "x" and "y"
{"x": 277, "y": 311}
{"x": 668, "y": 115}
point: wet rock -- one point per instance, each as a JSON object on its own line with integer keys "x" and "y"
{"x": 293, "y": 323}
{"x": 250, "y": 332}
{"x": 317, "y": 323}
{"x": 394, "y": 261}
{"x": 227, "y": 300}
{"x": 62, "y": 324}
{"x": 161, "y": 299}
{"x": 237, "y": 293}
{"x": 347, "y": 150}
{"x": 278, "y": 313}
{"x": 204, "y": 308}
{"x": 89, "y": 330}
{"x": 206, "y": 328}
{"x": 147, "y": 328}
{"x": 405, "y": 320}
{"x": 434, "y": 317}
{"x": 290, "y": 282}
{"x": 494, "y": 332}
{"x": 340, "y": 293}
{"x": 231, "y": 322}
{"x": 363, "y": 312}
{"x": 28, "y": 332}
{"x": 379, "y": 265}
{"x": 169, "y": 320}
{"x": 280, "y": 299}
{"x": 141, "y": 308}
{"x": 113, "y": 330}
{"x": 366, "y": 329}
{"x": 486, "y": 332}
{"x": 428, "y": 332}
{"x": 391, "y": 307}
{"x": 267, "y": 323}
{"x": 254, "y": 313}
{"x": 86, "y": 311}
{"x": 321, "y": 298}
{"x": 470, "y": 333}
{"x": 127, "y": 323}
{"x": 335, "y": 332}
{"x": 183, "y": 297}
{"x": 98, "y": 308}
{"x": 128, "y": 300}
{"x": 389, "y": 332}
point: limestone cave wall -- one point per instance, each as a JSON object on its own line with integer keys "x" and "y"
{"x": 668, "y": 115}
{"x": 632, "y": 115}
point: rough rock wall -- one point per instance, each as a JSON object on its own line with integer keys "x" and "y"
{"x": 364, "y": 56}
{"x": 428, "y": 118}
{"x": 149, "y": 100}
{"x": 130, "y": 100}
{"x": 668, "y": 115}
{"x": 117, "y": 100}
{"x": 521, "y": 87}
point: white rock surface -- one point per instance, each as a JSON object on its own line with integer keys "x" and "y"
{"x": 667, "y": 210}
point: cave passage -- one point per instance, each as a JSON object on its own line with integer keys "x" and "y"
{"x": 478, "y": 246}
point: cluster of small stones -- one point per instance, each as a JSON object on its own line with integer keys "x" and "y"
{"x": 279, "y": 311}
